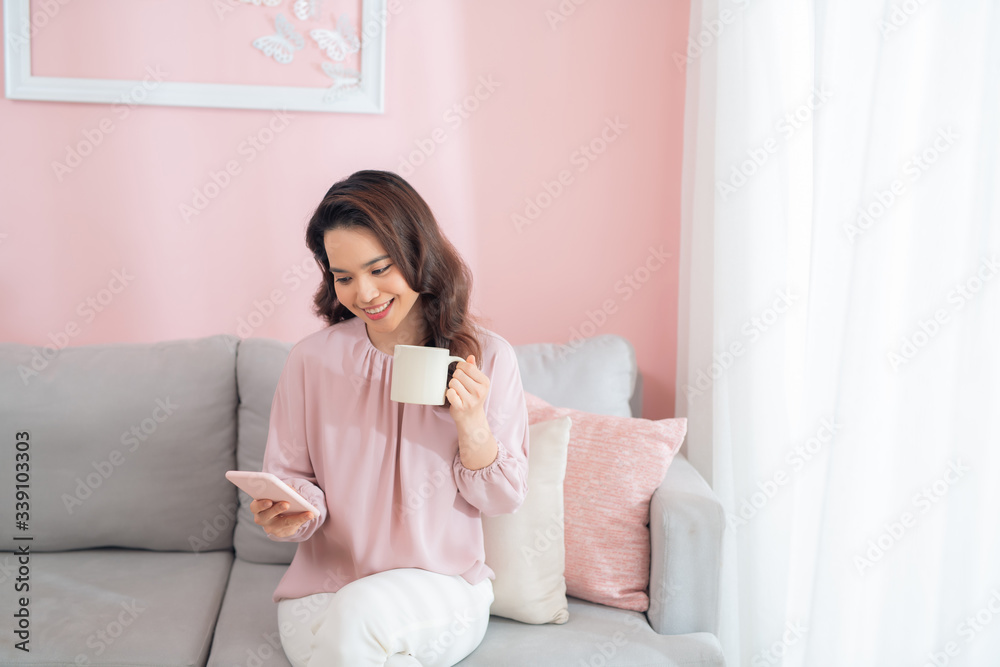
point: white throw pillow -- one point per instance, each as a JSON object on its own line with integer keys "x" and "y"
{"x": 526, "y": 549}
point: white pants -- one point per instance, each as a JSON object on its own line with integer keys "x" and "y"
{"x": 406, "y": 616}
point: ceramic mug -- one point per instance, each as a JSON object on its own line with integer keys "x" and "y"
{"x": 420, "y": 374}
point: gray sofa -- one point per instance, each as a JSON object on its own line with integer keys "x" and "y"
{"x": 140, "y": 552}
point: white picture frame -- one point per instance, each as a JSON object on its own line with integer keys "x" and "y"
{"x": 20, "y": 84}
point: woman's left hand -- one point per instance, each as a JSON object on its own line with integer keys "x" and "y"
{"x": 467, "y": 392}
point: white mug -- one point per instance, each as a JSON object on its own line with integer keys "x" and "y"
{"x": 420, "y": 374}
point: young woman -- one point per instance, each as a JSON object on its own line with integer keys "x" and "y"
{"x": 393, "y": 570}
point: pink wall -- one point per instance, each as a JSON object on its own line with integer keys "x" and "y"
{"x": 62, "y": 241}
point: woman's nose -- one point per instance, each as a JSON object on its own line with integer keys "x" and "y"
{"x": 367, "y": 292}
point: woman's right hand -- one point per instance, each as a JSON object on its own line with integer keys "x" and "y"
{"x": 268, "y": 514}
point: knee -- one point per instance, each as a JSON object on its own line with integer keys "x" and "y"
{"x": 455, "y": 639}
{"x": 345, "y": 637}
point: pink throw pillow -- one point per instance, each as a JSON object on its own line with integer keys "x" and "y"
{"x": 613, "y": 466}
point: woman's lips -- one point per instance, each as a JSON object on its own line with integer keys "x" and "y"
{"x": 379, "y": 316}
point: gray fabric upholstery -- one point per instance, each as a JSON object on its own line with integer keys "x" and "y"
{"x": 247, "y": 629}
{"x": 598, "y": 375}
{"x": 128, "y": 444}
{"x": 168, "y": 497}
{"x": 686, "y": 524}
{"x": 114, "y": 606}
{"x": 258, "y": 366}
{"x": 247, "y": 633}
{"x": 593, "y": 632}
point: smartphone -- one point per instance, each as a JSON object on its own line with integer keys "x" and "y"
{"x": 267, "y": 485}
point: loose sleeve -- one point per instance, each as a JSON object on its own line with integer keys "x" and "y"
{"x": 286, "y": 454}
{"x": 500, "y": 487}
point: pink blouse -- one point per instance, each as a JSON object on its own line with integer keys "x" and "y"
{"x": 387, "y": 478}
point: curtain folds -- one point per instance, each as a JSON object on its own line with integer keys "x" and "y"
{"x": 839, "y": 325}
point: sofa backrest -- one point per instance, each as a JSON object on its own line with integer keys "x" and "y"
{"x": 258, "y": 366}
{"x": 598, "y": 375}
{"x": 127, "y": 445}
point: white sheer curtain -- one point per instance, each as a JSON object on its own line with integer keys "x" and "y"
{"x": 839, "y": 342}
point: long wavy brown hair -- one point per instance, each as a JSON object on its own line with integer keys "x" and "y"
{"x": 384, "y": 203}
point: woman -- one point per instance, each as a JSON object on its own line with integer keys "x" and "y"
{"x": 393, "y": 569}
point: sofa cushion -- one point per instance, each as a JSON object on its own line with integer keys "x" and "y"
{"x": 115, "y": 606}
{"x": 149, "y": 423}
{"x": 526, "y": 549}
{"x": 595, "y": 374}
{"x": 247, "y": 633}
{"x": 613, "y": 466}
{"x": 258, "y": 367}
{"x": 594, "y": 635}
{"x": 247, "y": 630}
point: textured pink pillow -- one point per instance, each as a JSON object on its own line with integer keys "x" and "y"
{"x": 613, "y": 467}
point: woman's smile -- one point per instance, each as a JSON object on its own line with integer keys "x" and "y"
{"x": 379, "y": 312}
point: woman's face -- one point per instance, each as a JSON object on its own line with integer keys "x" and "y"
{"x": 366, "y": 278}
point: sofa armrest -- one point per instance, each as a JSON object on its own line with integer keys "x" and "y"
{"x": 686, "y": 524}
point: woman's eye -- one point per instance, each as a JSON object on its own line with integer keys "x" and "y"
{"x": 376, "y": 272}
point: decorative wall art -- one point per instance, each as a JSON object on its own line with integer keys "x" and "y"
{"x": 304, "y": 55}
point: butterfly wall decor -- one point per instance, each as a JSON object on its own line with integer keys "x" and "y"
{"x": 339, "y": 42}
{"x": 283, "y": 44}
{"x": 345, "y": 80}
{"x": 306, "y": 9}
{"x": 338, "y": 68}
